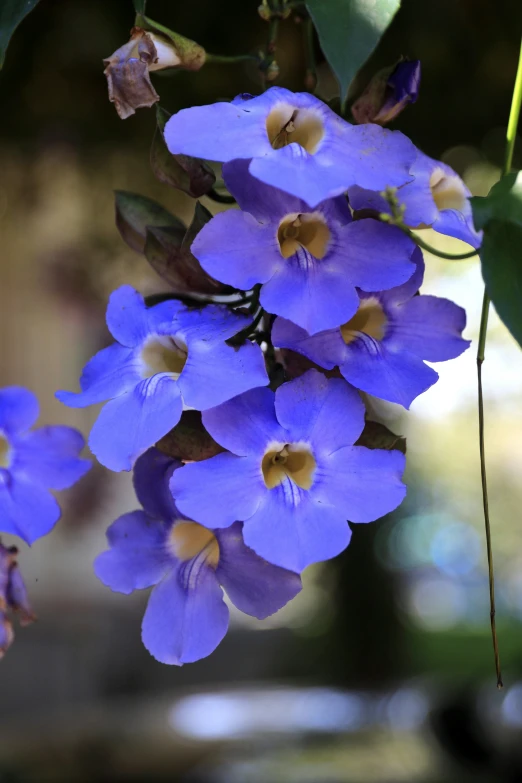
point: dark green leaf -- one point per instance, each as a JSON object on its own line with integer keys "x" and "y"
{"x": 12, "y": 12}
{"x": 169, "y": 254}
{"x": 349, "y": 31}
{"x": 501, "y": 259}
{"x": 376, "y": 436}
{"x": 189, "y": 440}
{"x": 134, "y": 213}
{"x": 192, "y": 176}
{"x": 503, "y": 202}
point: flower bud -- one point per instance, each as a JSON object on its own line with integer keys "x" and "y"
{"x": 388, "y": 93}
{"x": 128, "y": 68}
{"x": 272, "y": 72}
{"x": 13, "y": 597}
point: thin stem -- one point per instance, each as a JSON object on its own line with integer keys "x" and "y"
{"x": 440, "y": 253}
{"x": 514, "y": 114}
{"x": 311, "y": 65}
{"x": 221, "y": 198}
{"x": 218, "y": 59}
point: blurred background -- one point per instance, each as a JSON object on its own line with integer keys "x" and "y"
{"x": 382, "y": 669}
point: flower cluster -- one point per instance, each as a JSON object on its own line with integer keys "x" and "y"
{"x": 318, "y": 274}
{"x": 31, "y": 463}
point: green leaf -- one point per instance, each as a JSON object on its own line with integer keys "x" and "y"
{"x": 168, "y": 252}
{"x": 501, "y": 259}
{"x": 349, "y": 31}
{"x": 134, "y": 213}
{"x": 190, "y": 175}
{"x": 377, "y": 436}
{"x": 12, "y": 12}
{"x": 503, "y": 202}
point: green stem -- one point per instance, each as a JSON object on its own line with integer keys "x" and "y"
{"x": 514, "y": 114}
{"x": 440, "y": 253}
{"x": 220, "y": 198}
{"x": 218, "y": 59}
{"x": 311, "y": 65}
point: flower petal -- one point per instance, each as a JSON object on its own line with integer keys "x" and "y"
{"x": 238, "y": 250}
{"x": 266, "y": 203}
{"x": 133, "y": 422}
{"x": 253, "y": 585}
{"x": 429, "y": 327}
{"x": 223, "y": 131}
{"x": 18, "y": 409}
{"x": 108, "y": 374}
{"x": 246, "y": 424}
{"x": 49, "y": 456}
{"x": 26, "y": 509}
{"x": 152, "y": 474}
{"x": 216, "y": 372}
{"x": 459, "y": 225}
{"x": 374, "y": 256}
{"x": 362, "y": 484}
{"x": 312, "y": 294}
{"x": 295, "y": 535}
{"x": 220, "y": 490}
{"x": 327, "y": 349}
{"x": 138, "y": 555}
{"x": 183, "y": 625}
{"x": 327, "y": 413}
{"x": 393, "y": 375}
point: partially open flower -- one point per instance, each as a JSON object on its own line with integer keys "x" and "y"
{"x": 127, "y": 70}
{"x": 388, "y": 93}
{"x": 13, "y": 597}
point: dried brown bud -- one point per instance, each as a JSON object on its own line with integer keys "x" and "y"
{"x": 128, "y": 69}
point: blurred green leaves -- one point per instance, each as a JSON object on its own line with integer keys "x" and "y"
{"x": 499, "y": 214}
{"x": 12, "y": 12}
{"x": 349, "y": 31}
{"x": 135, "y": 213}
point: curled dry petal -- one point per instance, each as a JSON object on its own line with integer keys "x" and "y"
{"x": 127, "y": 72}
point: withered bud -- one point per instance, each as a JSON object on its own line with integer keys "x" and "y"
{"x": 127, "y": 70}
{"x": 272, "y": 72}
{"x": 388, "y": 93}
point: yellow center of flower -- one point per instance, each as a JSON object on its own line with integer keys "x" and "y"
{"x": 286, "y": 125}
{"x": 164, "y": 354}
{"x": 189, "y": 540}
{"x": 447, "y": 190}
{"x": 369, "y": 319}
{"x": 292, "y": 461}
{"x": 307, "y": 230}
{"x": 4, "y": 452}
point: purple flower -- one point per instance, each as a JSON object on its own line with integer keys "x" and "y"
{"x": 164, "y": 356}
{"x": 32, "y": 463}
{"x": 13, "y": 597}
{"x": 190, "y": 566}
{"x": 294, "y": 142}
{"x": 436, "y": 198}
{"x": 381, "y": 349}
{"x": 293, "y": 474}
{"x": 309, "y": 262}
{"x": 388, "y": 93}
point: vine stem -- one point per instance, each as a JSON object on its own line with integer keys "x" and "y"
{"x": 514, "y": 114}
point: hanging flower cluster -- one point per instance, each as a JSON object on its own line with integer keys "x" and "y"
{"x": 32, "y": 462}
{"x": 307, "y": 267}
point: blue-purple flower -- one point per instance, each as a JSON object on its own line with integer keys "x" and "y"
{"x": 13, "y": 597}
{"x": 381, "y": 350}
{"x": 165, "y": 356}
{"x": 189, "y": 567}
{"x": 32, "y": 463}
{"x": 436, "y": 198}
{"x": 293, "y": 474}
{"x": 295, "y": 143}
{"x": 308, "y": 261}
{"x": 388, "y": 93}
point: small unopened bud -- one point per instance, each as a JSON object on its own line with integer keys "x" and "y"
{"x": 272, "y": 72}
{"x": 127, "y": 70}
{"x": 264, "y": 12}
{"x": 310, "y": 81}
{"x": 388, "y": 93}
